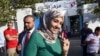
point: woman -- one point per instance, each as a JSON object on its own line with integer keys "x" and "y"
{"x": 45, "y": 42}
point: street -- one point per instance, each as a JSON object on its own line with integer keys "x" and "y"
{"x": 75, "y": 48}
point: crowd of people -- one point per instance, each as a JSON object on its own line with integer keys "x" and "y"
{"x": 47, "y": 39}
{"x": 44, "y": 41}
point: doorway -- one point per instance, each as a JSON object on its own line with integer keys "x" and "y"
{"x": 74, "y": 25}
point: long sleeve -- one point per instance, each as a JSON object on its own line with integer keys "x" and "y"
{"x": 37, "y": 46}
{"x": 31, "y": 47}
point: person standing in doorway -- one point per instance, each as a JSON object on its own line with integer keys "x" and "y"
{"x": 11, "y": 36}
{"x": 84, "y": 33}
{"x": 24, "y": 36}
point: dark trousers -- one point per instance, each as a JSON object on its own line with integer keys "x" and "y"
{"x": 84, "y": 50}
{"x": 3, "y": 51}
{"x": 92, "y": 54}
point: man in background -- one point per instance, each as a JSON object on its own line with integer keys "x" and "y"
{"x": 84, "y": 33}
{"x": 92, "y": 42}
{"x": 11, "y": 36}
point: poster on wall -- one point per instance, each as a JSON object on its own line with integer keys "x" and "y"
{"x": 62, "y": 5}
{"x": 70, "y": 6}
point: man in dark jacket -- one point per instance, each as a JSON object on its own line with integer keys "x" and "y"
{"x": 84, "y": 33}
{"x": 25, "y": 35}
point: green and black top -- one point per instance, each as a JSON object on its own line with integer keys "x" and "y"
{"x": 37, "y": 46}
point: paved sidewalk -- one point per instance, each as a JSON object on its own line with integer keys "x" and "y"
{"x": 75, "y": 48}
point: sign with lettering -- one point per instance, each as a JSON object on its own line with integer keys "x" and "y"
{"x": 69, "y": 4}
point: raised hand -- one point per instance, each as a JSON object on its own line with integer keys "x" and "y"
{"x": 65, "y": 44}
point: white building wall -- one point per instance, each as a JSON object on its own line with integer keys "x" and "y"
{"x": 2, "y": 28}
{"x": 67, "y": 21}
{"x": 93, "y": 23}
{"x": 89, "y": 17}
{"x": 21, "y": 13}
{"x": 68, "y": 6}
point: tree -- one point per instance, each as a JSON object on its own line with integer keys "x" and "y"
{"x": 6, "y": 11}
{"x": 96, "y": 11}
{"x": 8, "y": 8}
{"x": 88, "y": 1}
{"x": 24, "y": 3}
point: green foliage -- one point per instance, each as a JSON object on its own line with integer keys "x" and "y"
{"x": 88, "y": 1}
{"x": 25, "y": 3}
{"x": 28, "y": 2}
{"x": 5, "y": 11}
{"x": 8, "y": 8}
{"x": 96, "y": 11}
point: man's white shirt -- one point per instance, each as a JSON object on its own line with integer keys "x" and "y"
{"x": 93, "y": 47}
